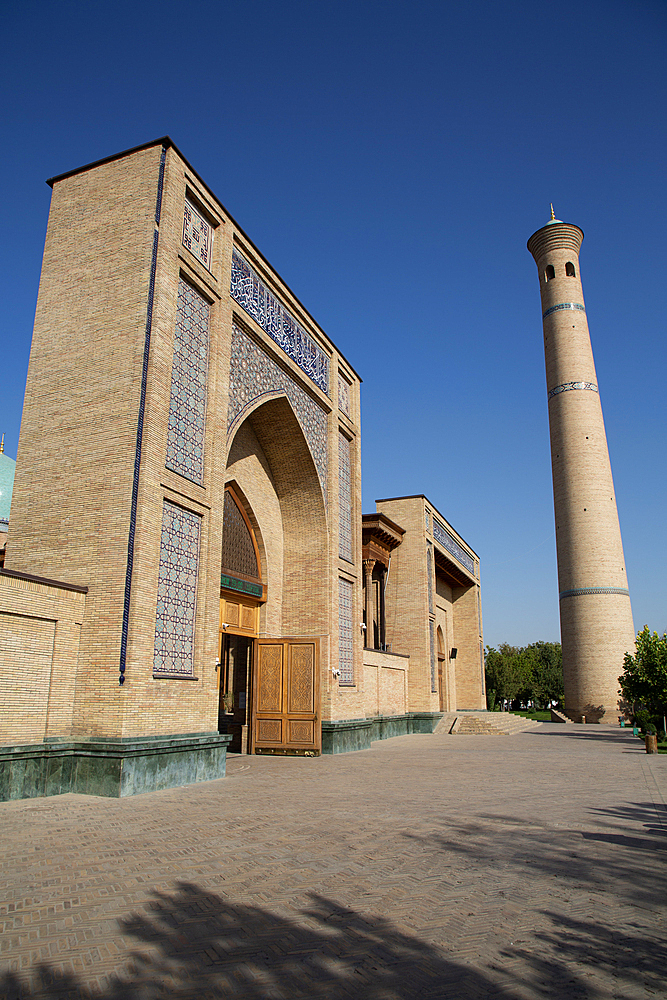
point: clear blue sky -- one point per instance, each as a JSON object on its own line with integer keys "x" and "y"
{"x": 391, "y": 159}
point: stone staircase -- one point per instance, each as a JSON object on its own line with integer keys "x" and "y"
{"x": 484, "y": 724}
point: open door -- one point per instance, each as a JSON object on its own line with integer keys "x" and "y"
{"x": 286, "y": 697}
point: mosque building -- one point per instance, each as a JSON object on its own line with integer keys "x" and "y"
{"x": 191, "y": 572}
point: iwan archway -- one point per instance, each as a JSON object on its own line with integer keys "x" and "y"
{"x": 275, "y": 519}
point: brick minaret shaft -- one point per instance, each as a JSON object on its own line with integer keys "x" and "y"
{"x": 595, "y": 613}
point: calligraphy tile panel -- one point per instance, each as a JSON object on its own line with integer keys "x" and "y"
{"x": 344, "y": 499}
{"x": 254, "y": 374}
{"x": 248, "y": 289}
{"x": 442, "y": 536}
{"x": 177, "y": 592}
{"x": 345, "y": 647}
{"x": 189, "y": 373}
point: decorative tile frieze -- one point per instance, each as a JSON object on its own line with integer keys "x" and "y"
{"x": 344, "y": 498}
{"x": 345, "y": 643}
{"x": 443, "y": 537}
{"x": 343, "y": 394}
{"x": 581, "y": 591}
{"x": 177, "y": 592}
{"x": 431, "y": 638}
{"x": 427, "y": 522}
{"x": 248, "y": 289}
{"x": 567, "y": 386}
{"x": 564, "y": 305}
{"x": 187, "y": 404}
{"x": 254, "y": 374}
{"x": 197, "y": 234}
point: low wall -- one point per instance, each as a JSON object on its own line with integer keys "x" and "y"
{"x": 40, "y": 625}
{"x": 385, "y": 683}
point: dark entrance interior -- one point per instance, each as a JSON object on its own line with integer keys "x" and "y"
{"x": 235, "y": 678}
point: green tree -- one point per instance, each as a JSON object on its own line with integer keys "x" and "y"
{"x": 507, "y": 671}
{"x": 644, "y": 680}
{"x": 547, "y": 661}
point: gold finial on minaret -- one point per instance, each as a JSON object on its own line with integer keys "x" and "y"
{"x": 553, "y": 214}
{"x": 2, "y": 445}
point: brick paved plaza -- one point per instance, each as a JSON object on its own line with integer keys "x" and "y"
{"x": 429, "y": 866}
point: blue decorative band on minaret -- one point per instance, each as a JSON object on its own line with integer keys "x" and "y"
{"x": 580, "y": 591}
{"x": 567, "y": 386}
{"x": 564, "y": 305}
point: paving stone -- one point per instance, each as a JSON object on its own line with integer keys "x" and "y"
{"x": 428, "y": 866}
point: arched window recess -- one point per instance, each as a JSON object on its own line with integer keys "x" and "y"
{"x": 241, "y": 568}
{"x": 549, "y": 272}
{"x": 569, "y": 270}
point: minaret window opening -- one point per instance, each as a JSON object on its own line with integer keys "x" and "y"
{"x": 549, "y": 272}
{"x": 569, "y": 270}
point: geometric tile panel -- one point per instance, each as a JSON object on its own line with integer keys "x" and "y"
{"x": 343, "y": 394}
{"x": 177, "y": 592}
{"x": 431, "y": 637}
{"x": 187, "y": 405}
{"x": 345, "y": 499}
{"x": 248, "y": 289}
{"x": 253, "y": 374}
{"x": 442, "y": 536}
{"x": 197, "y": 235}
{"x": 345, "y": 657}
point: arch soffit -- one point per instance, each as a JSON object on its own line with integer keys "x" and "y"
{"x": 279, "y": 402}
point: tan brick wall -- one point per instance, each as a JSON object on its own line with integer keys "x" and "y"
{"x": 40, "y": 627}
{"x": 385, "y": 683}
{"x": 455, "y": 612}
{"x": 71, "y": 508}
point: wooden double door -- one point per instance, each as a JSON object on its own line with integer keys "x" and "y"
{"x": 286, "y": 697}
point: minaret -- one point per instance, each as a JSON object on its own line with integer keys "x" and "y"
{"x": 595, "y": 613}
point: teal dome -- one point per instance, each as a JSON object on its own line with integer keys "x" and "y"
{"x": 7, "y": 468}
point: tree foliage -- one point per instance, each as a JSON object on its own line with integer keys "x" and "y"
{"x": 525, "y": 673}
{"x": 644, "y": 680}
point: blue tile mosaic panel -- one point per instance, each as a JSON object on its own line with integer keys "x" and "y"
{"x": 564, "y": 305}
{"x": 248, "y": 289}
{"x": 343, "y": 394}
{"x": 197, "y": 234}
{"x": 568, "y": 386}
{"x": 177, "y": 592}
{"x": 429, "y": 575}
{"x": 345, "y": 644}
{"x": 189, "y": 373}
{"x": 442, "y": 536}
{"x": 344, "y": 498}
{"x": 431, "y": 639}
{"x": 254, "y": 374}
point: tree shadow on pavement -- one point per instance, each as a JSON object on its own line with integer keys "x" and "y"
{"x": 616, "y": 871}
{"x": 197, "y": 945}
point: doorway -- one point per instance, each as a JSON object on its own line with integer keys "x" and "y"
{"x": 235, "y": 680}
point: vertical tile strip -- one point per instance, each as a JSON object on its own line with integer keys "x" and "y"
{"x": 345, "y": 643}
{"x": 344, "y": 498}
{"x": 176, "y": 612}
{"x": 140, "y": 424}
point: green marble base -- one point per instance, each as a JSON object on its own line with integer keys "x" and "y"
{"x": 111, "y": 767}
{"x": 346, "y": 735}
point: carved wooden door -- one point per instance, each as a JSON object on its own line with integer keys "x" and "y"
{"x": 285, "y": 700}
